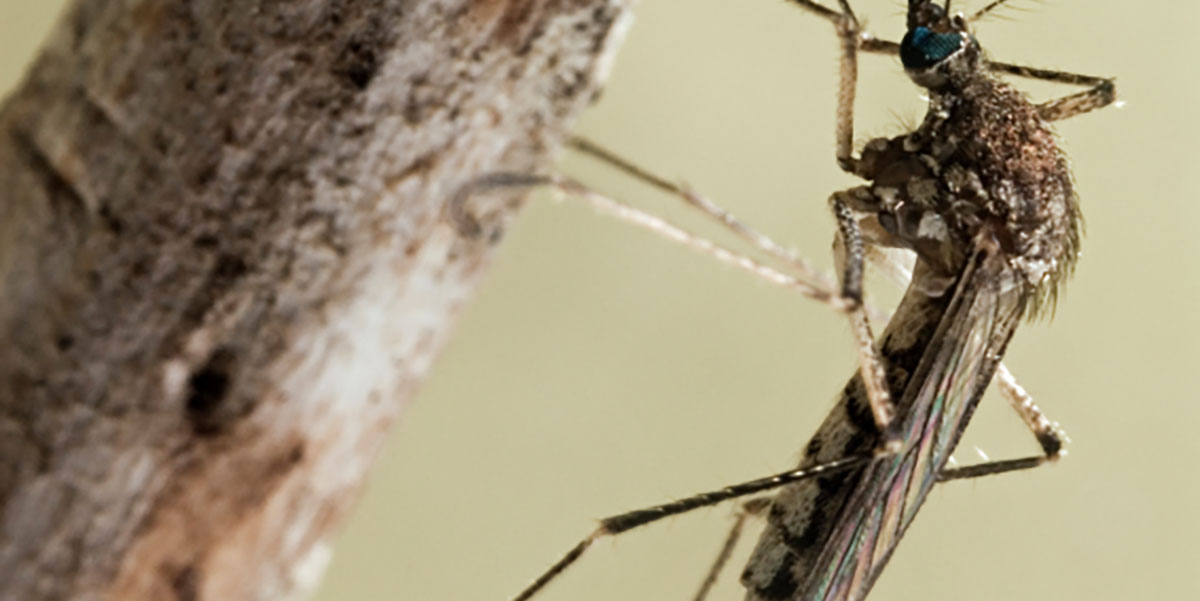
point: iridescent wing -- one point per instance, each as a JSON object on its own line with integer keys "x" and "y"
{"x": 935, "y": 408}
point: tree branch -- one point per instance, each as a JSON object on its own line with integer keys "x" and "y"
{"x": 225, "y": 267}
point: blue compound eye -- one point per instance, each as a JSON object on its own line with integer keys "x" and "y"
{"x": 922, "y": 48}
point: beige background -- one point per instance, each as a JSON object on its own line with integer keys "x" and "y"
{"x": 600, "y": 369}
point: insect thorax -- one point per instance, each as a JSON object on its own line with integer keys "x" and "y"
{"x": 982, "y": 169}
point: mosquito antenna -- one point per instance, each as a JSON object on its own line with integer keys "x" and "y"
{"x": 985, "y": 10}
{"x": 925, "y": 13}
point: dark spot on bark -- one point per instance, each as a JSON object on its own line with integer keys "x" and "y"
{"x": 296, "y": 454}
{"x": 358, "y": 63}
{"x": 413, "y": 112}
{"x": 139, "y": 267}
{"x": 570, "y": 85}
{"x": 230, "y": 267}
{"x": 539, "y": 29}
{"x": 111, "y": 221}
{"x": 513, "y": 21}
{"x": 206, "y": 241}
{"x": 208, "y": 389}
{"x": 64, "y": 342}
{"x": 813, "y": 448}
{"x": 160, "y": 143}
{"x": 185, "y": 583}
{"x": 204, "y": 175}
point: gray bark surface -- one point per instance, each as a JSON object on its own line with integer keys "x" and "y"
{"x": 226, "y": 266}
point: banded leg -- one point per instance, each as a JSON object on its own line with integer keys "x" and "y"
{"x": 870, "y": 366}
{"x": 874, "y": 376}
{"x": 624, "y": 522}
{"x": 1050, "y": 436}
{"x": 849, "y": 33}
{"x": 1101, "y": 91}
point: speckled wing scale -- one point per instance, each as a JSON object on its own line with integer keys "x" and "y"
{"x": 830, "y": 537}
{"x": 952, "y": 376}
{"x": 983, "y": 197}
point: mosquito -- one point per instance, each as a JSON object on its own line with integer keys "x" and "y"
{"x": 982, "y": 196}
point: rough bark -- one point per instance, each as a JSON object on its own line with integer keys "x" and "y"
{"x": 226, "y": 266}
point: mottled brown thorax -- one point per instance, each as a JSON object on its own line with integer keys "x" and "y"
{"x": 983, "y": 168}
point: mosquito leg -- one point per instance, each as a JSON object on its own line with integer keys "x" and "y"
{"x": 749, "y": 509}
{"x": 991, "y": 468}
{"x": 800, "y": 267}
{"x": 853, "y": 248}
{"x": 458, "y": 212}
{"x": 847, "y": 29}
{"x": 617, "y": 524}
{"x": 851, "y": 259}
{"x": 874, "y": 45}
{"x": 1101, "y": 91}
{"x": 1049, "y": 435}
{"x": 1051, "y": 438}
{"x": 870, "y": 365}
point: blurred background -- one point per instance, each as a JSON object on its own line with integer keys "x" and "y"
{"x": 600, "y": 369}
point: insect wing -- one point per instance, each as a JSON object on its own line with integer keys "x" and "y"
{"x": 935, "y": 407}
